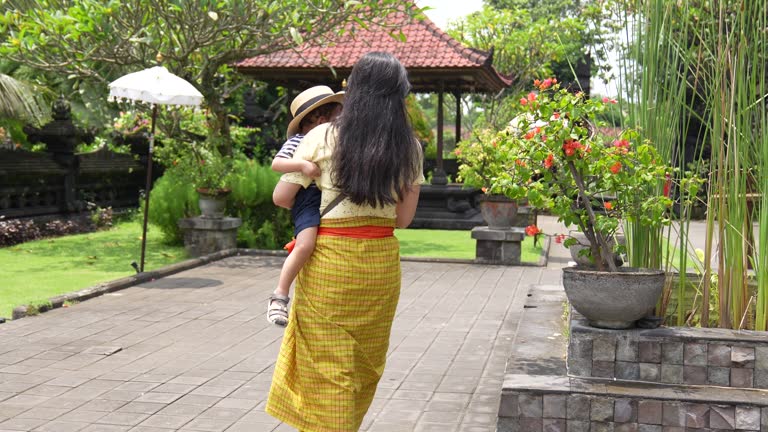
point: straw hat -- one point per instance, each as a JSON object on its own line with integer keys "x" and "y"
{"x": 308, "y": 100}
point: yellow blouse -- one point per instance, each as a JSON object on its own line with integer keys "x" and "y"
{"x": 316, "y": 148}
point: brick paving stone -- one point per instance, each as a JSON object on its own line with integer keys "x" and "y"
{"x": 198, "y": 355}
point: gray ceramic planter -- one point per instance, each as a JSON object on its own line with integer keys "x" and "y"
{"x": 613, "y": 300}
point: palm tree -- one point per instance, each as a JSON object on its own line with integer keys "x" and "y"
{"x": 20, "y": 100}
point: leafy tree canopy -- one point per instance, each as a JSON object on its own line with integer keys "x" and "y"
{"x": 93, "y": 42}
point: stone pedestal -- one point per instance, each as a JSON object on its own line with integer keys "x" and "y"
{"x": 498, "y": 246}
{"x": 203, "y": 236}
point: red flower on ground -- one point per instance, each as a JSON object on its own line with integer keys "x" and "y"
{"x": 556, "y": 115}
{"x": 520, "y": 163}
{"x": 615, "y": 168}
{"x": 523, "y": 101}
{"x": 609, "y": 100}
{"x": 532, "y": 230}
{"x": 559, "y": 238}
{"x": 608, "y": 205}
{"x": 531, "y": 96}
{"x": 530, "y": 135}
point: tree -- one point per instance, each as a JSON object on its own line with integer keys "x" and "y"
{"x": 19, "y": 100}
{"x": 96, "y": 41}
{"x": 532, "y": 39}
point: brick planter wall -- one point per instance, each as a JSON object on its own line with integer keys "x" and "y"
{"x": 670, "y": 355}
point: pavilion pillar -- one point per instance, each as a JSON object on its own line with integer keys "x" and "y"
{"x": 457, "y": 95}
{"x": 438, "y": 176}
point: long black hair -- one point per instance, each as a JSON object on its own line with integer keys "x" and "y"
{"x": 376, "y": 154}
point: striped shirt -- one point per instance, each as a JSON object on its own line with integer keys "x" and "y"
{"x": 289, "y": 148}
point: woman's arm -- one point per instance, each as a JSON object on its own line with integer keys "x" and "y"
{"x": 285, "y": 193}
{"x": 406, "y": 207}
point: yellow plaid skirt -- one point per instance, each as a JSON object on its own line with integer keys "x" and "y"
{"x": 335, "y": 346}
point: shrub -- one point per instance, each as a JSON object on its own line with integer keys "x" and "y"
{"x": 264, "y": 225}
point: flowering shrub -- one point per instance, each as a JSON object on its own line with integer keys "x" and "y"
{"x": 555, "y": 159}
{"x": 130, "y": 123}
{"x": 481, "y": 160}
{"x": 191, "y": 154}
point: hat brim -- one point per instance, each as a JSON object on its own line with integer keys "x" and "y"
{"x": 293, "y": 126}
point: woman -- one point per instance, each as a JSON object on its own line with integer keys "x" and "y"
{"x": 335, "y": 345}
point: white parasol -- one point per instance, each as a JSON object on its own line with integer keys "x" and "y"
{"x": 154, "y": 86}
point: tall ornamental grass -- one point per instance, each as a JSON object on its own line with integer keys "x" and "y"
{"x": 705, "y": 62}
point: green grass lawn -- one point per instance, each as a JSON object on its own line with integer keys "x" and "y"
{"x": 34, "y": 271}
{"x": 451, "y": 244}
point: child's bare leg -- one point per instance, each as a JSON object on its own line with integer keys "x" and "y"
{"x": 305, "y": 245}
{"x": 277, "y": 311}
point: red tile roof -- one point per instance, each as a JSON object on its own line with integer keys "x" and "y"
{"x": 428, "y": 53}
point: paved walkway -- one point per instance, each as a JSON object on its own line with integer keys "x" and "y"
{"x": 193, "y": 352}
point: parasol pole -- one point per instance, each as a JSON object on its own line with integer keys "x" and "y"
{"x": 148, "y": 187}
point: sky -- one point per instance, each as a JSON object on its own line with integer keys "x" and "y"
{"x": 444, "y": 10}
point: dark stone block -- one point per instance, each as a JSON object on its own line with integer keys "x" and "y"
{"x": 601, "y": 409}
{"x": 695, "y": 375}
{"x": 720, "y": 376}
{"x": 203, "y": 236}
{"x": 626, "y": 349}
{"x": 673, "y": 414}
{"x": 697, "y": 415}
{"x": 627, "y": 371}
{"x": 672, "y": 353}
{"x": 649, "y": 352}
{"x": 603, "y": 369}
{"x": 626, "y": 427}
{"x": 578, "y": 407}
{"x": 601, "y": 427}
{"x": 508, "y": 406}
{"x": 761, "y": 379}
{"x": 530, "y": 406}
{"x": 498, "y": 246}
{"x": 604, "y": 348}
{"x": 554, "y": 425}
{"x": 650, "y": 372}
{"x": 625, "y": 411}
{"x": 649, "y": 412}
{"x": 743, "y": 357}
{"x": 695, "y": 354}
{"x": 554, "y": 406}
{"x": 672, "y": 374}
{"x": 719, "y": 355}
{"x": 577, "y": 426}
{"x": 722, "y": 417}
{"x": 531, "y": 424}
{"x": 508, "y": 424}
{"x": 747, "y": 418}
{"x": 743, "y": 378}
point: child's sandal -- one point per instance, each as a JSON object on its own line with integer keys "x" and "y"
{"x": 277, "y": 309}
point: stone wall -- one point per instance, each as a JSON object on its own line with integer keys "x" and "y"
{"x": 717, "y": 357}
{"x": 561, "y": 404}
{"x": 660, "y": 380}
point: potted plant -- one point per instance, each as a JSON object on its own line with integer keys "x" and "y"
{"x": 480, "y": 162}
{"x": 559, "y": 162}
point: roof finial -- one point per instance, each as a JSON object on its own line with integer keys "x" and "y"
{"x": 159, "y": 57}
